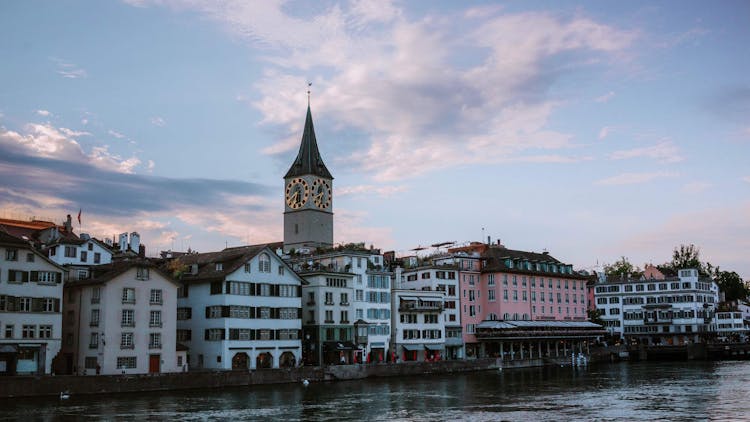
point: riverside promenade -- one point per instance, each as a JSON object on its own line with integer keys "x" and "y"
{"x": 53, "y": 385}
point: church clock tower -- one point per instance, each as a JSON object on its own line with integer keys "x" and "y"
{"x": 308, "y": 196}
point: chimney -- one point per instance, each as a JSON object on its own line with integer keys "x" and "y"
{"x": 135, "y": 242}
{"x": 68, "y": 224}
{"x": 489, "y": 241}
{"x": 142, "y": 251}
{"x": 123, "y": 242}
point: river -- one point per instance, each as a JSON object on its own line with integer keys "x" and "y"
{"x": 624, "y": 391}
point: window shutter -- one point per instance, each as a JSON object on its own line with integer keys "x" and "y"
{"x": 37, "y": 304}
{"x": 57, "y": 304}
{"x": 35, "y": 276}
{"x": 225, "y": 311}
{"x": 299, "y": 313}
{"x": 252, "y": 312}
{"x": 223, "y": 334}
{"x": 25, "y": 277}
{"x": 58, "y": 277}
{"x": 205, "y": 333}
{"x": 208, "y": 312}
{"x": 226, "y": 288}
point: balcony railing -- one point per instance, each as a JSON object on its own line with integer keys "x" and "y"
{"x": 425, "y": 307}
{"x": 127, "y": 346}
{"x": 344, "y": 303}
{"x": 154, "y": 346}
{"x": 155, "y": 324}
{"x": 127, "y": 324}
{"x": 329, "y": 302}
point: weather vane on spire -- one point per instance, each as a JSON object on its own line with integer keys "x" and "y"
{"x": 309, "y": 84}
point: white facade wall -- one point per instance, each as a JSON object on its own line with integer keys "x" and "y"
{"x": 673, "y": 309}
{"x": 218, "y": 354}
{"x": 12, "y": 322}
{"x": 84, "y": 254}
{"x": 109, "y": 329}
{"x": 406, "y": 321}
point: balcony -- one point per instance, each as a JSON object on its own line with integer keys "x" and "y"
{"x": 127, "y": 346}
{"x": 329, "y": 302}
{"x": 329, "y": 321}
{"x": 421, "y": 307}
{"x": 128, "y": 301}
{"x": 127, "y": 324}
{"x": 156, "y": 302}
{"x": 94, "y": 324}
{"x": 310, "y": 302}
{"x": 344, "y": 303}
{"x": 154, "y": 346}
{"x": 155, "y": 324}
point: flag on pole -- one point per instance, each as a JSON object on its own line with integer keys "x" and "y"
{"x": 79, "y": 216}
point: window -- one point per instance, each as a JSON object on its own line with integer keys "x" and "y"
{"x": 128, "y": 295}
{"x": 184, "y": 313}
{"x": 213, "y": 311}
{"x": 344, "y": 299}
{"x": 28, "y": 331}
{"x": 97, "y": 257}
{"x": 30, "y": 257}
{"x": 126, "y": 341}
{"x": 84, "y": 256}
{"x": 154, "y": 319}
{"x": 126, "y": 362}
{"x": 329, "y": 317}
{"x": 154, "y": 341}
{"x": 214, "y": 334}
{"x": 94, "y": 322}
{"x": 515, "y": 294}
{"x": 94, "y": 341}
{"x": 11, "y": 254}
{"x": 128, "y": 318}
{"x": 491, "y": 295}
{"x": 281, "y": 270}
{"x": 70, "y": 251}
{"x": 219, "y": 266}
{"x": 505, "y": 295}
{"x": 329, "y": 298}
{"x": 264, "y": 263}
{"x": 142, "y": 273}
{"x": 472, "y": 310}
{"x": 359, "y": 295}
{"x": 247, "y": 267}
{"x": 156, "y": 298}
{"x": 184, "y": 335}
{"x": 491, "y": 280}
{"x": 96, "y": 294}
{"x": 45, "y": 331}
{"x": 16, "y": 276}
{"x": 9, "y": 331}
{"x": 90, "y": 362}
{"x": 430, "y": 319}
{"x": 344, "y": 317}
{"x": 24, "y": 304}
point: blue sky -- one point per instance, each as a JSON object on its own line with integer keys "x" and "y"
{"x": 591, "y": 129}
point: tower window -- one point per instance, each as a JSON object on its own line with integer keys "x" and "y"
{"x": 296, "y": 228}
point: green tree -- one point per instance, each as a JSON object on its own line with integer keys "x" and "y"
{"x": 732, "y": 285}
{"x": 595, "y": 316}
{"x": 688, "y": 256}
{"x": 622, "y": 267}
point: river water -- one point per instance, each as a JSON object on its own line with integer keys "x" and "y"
{"x": 624, "y": 391}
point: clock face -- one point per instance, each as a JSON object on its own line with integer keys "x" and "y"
{"x": 297, "y": 192}
{"x": 321, "y": 192}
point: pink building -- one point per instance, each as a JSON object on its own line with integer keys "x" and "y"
{"x": 533, "y": 300}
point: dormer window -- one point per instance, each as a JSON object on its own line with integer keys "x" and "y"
{"x": 219, "y": 266}
{"x": 142, "y": 273}
{"x": 247, "y": 267}
{"x": 264, "y": 263}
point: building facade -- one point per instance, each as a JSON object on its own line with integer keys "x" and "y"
{"x": 669, "y": 310}
{"x": 418, "y": 325}
{"x": 121, "y": 319}
{"x": 328, "y": 327}
{"x": 239, "y": 308}
{"x": 31, "y": 291}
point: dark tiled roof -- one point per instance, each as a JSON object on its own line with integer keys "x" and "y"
{"x": 7, "y": 239}
{"x": 308, "y": 159}
{"x": 495, "y": 261}
{"x": 100, "y": 274}
{"x": 230, "y": 258}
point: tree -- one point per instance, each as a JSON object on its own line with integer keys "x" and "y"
{"x": 688, "y": 256}
{"x": 595, "y": 316}
{"x": 732, "y": 285}
{"x": 623, "y": 267}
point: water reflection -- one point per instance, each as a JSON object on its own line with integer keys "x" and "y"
{"x": 638, "y": 391}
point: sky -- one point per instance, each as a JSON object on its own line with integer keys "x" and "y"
{"x": 590, "y": 129}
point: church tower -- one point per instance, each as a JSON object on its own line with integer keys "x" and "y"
{"x": 308, "y": 196}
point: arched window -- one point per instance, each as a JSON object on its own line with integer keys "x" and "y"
{"x": 506, "y": 316}
{"x": 264, "y": 263}
{"x": 492, "y": 317}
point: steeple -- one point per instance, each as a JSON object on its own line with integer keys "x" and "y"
{"x": 308, "y": 159}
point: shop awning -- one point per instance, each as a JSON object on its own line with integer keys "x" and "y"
{"x": 8, "y": 348}
{"x": 434, "y": 347}
{"x": 413, "y": 347}
{"x": 340, "y": 345}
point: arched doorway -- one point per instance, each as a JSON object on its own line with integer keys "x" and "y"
{"x": 287, "y": 360}
{"x": 264, "y": 361}
{"x": 240, "y": 360}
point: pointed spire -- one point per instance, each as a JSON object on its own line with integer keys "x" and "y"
{"x": 308, "y": 159}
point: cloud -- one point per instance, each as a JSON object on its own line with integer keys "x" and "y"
{"x": 44, "y": 113}
{"x": 46, "y": 141}
{"x": 421, "y": 94}
{"x": 746, "y": 179}
{"x": 69, "y": 70}
{"x": 605, "y": 98}
{"x": 604, "y": 132}
{"x": 696, "y": 187}
{"x": 158, "y": 121}
{"x": 663, "y": 152}
{"x": 116, "y": 134}
{"x": 731, "y": 102}
{"x": 634, "y": 178}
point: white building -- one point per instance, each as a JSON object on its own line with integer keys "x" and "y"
{"x": 442, "y": 278}
{"x": 239, "y": 308}
{"x": 418, "y": 324}
{"x": 31, "y": 290}
{"x": 122, "y": 320}
{"x": 82, "y": 252}
{"x": 371, "y": 302}
{"x": 327, "y": 312}
{"x": 673, "y": 310}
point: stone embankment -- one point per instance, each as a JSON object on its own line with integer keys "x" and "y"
{"x": 28, "y": 386}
